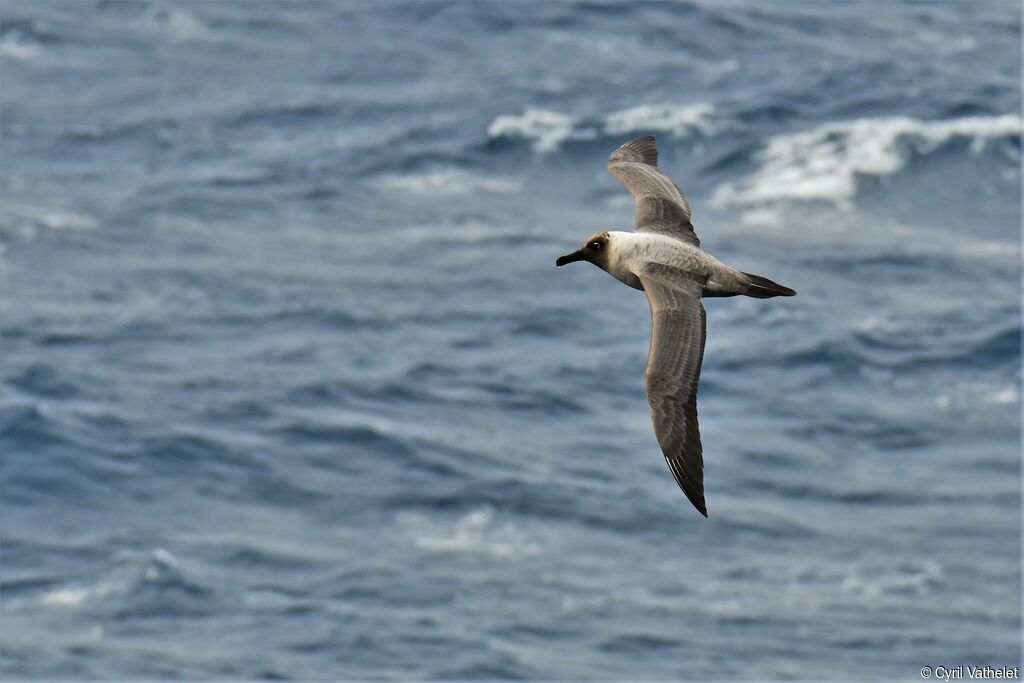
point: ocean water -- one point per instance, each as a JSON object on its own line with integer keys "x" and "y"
{"x": 290, "y": 385}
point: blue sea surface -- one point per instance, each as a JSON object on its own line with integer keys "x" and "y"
{"x": 290, "y": 385}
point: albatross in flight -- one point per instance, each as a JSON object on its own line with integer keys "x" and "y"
{"x": 663, "y": 258}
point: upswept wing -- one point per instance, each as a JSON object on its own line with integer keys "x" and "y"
{"x": 660, "y": 204}
{"x": 678, "y": 329}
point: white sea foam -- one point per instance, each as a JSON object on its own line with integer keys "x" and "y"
{"x": 15, "y": 46}
{"x": 79, "y": 594}
{"x": 975, "y": 395}
{"x": 877, "y": 582}
{"x": 177, "y": 23}
{"x": 763, "y": 217}
{"x": 1005, "y": 396}
{"x": 117, "y": 581}
{"x": 55, "y": 219}
{"x": 66, "y": 597}
{"x": 475, "y": 532}
{"x": 548, "y": 129}
{"x": 25, "y": 222}
{"x": 823, "y": 163}
{"x": 450, "y": 181}
{"x": 545, "y": 127}
{"x": 678, "y": 120}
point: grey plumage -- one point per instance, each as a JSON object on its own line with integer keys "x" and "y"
{"x": 661, "y": 206}
{"x": 663, "y": 257}
{"x": 678, "y": 329}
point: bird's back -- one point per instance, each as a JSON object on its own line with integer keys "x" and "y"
{"x": 635, "y": 251}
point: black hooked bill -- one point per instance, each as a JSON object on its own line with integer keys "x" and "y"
{"x": 570, "y": 258}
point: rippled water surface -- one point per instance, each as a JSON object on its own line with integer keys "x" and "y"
{"x": 290, "y": 385}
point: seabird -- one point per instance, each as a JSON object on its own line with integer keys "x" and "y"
{"x": 664, "y": 259}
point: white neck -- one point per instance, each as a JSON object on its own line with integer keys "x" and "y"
{"x": 622, "y": 249}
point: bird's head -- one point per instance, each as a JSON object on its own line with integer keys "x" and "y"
{"x": 595, "y": 250}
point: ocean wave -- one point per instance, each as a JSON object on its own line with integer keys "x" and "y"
{"x": 174, "y": 22}
{"x": 822, "y": 164}
{"x": 15, "y": 46}
{"x": 677, "y": 120}
{"x": 25, "y": 222}
{"x": 449, "y": 182}
{"x": 476, "y": 532}
{"x": 875, "y": 583}
{"x": 144, "y": 583}
{"x": 452, "y": 233}
{"x": 45, "y": 381}
{"x": 547, "y": 129}
{"x": 353, "y": 433}
{"x": 895, "y": 346}
{"x": 26, "y": 39}
{"x": 973, "y": 394}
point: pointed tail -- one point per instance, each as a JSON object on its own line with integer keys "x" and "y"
{"x": 763, "y": 288}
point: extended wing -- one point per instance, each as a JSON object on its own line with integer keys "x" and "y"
{"x": 660, "y": 205}
{"x": 678, "y": 328}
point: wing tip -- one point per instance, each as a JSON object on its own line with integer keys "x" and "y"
{"x": 643, "y": 149}
{"x": 698, "y": 502}
{"x": 692, "y": 486}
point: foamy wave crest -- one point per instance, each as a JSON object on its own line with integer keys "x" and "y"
{"x": 548, "y": 129}
{"x": 450, "y": 181}
{"x": 679, "y": 121}
{"x": 545, "y": 127}
{"x": 823, "y": 163}
{"x": 175, "y": 22}
{"x": 25, "y": 222}
{"x": 477, "y": 532}
{"x": 16, "y": 46}
{"x": 131, "y": 572}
